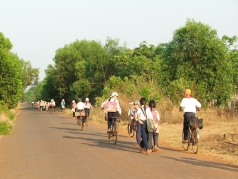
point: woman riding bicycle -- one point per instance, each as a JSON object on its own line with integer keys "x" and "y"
{"x": 188, "y": 105}
{"x": 112, "y": 107}
{"x": 87, "y": 108}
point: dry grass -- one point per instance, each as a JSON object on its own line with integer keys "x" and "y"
{"x": 211, "y": 142}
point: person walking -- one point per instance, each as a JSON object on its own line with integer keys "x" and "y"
{"x": 143, "y": 113}
{"x": 154, "y": 136}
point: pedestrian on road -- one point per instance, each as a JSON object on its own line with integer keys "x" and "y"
{"x": 155, "y": 134}
{"x": 143, "y": 114}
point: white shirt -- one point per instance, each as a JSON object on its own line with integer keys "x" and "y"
{"x": 80, "y": 106}
{"x": 142, "y": 115}
{"x": 190, "y": 104}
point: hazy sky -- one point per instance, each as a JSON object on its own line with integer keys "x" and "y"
{"x": 37, "y": 28}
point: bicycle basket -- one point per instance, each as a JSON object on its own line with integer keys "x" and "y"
{"x": 193, "y": 122}
{"x": 200, "y": 123}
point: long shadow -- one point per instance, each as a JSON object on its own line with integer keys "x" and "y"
{"x": 70, "y": 129}
{"x": 70, "y": 123}
{"x": 171, "y": 149}
{"x": 203, "y": 163}
{"x": 102, "y": 143}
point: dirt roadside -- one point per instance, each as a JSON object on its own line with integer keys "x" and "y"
{"x": 212, "y": 144}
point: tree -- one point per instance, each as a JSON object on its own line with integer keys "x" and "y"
{"x": 197, "y": 55}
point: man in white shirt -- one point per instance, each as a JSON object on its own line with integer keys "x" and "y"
{"x": 80, "y": 105}
{"x": 189, "y": 106}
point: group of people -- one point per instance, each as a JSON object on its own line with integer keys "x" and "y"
{"x": 81, "y": 106}
{"x": 140, "y": 112}
{"x": 44, "y": 105}
{"x": 147, "y": 118}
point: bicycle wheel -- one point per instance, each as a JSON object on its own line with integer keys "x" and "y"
{"x": 128, "y": 128}
{"x": 82, "y": 123}
{"x": 109, "y": 136}
{"x": 185, "y": 144}
{"x": 194, "y": 142}
{"x": 115, "y": 133}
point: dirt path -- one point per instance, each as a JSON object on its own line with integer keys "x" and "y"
{"x": 51, "y": 146}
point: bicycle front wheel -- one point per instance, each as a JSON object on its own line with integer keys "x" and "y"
{"x": 194, "y": 142}
{"x": 185, "y": 144}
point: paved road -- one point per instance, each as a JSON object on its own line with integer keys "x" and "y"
{"x": 51, "y": 146}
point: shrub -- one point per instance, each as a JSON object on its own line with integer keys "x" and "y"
{"x": 4, "y": 108}
{"x": 5, "y": 128}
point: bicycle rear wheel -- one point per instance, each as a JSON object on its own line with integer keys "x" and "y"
{"x": 194, "y": 142}
{"x": 128, "y": 128}
{"x": 82, "y": 123}
{"x": 115, "y": 133}
{"x": 185, "y": 144}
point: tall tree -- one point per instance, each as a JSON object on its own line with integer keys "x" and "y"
{"x": 198, "y": 57}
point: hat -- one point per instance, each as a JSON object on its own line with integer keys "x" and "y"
{"x": 73, "y": 101}
{"x": 87, "y": 99}
{"x": 136, "y": 102}
{"x": 131, "y": 103}
{"x": 114, "y": 94}
{"x": 187, "y": 92}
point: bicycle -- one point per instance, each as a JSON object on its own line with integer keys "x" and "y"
{"x": 87, "y": 111}
{"x": 51, "y": 109}
{"x": 193, "y": 136}
{"x": 192, "y": 139}
{"x": 80, "y": 118}
{"x": 114, "y": 132}
{"x": 135, "y": 126}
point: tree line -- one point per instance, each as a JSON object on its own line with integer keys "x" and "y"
{"x": 195, "y": 58}
{"x": 15, "y": 74}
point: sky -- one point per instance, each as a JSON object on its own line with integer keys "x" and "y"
{"x": 37, "y": 28}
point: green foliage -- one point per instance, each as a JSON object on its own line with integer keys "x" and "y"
{"x": 4, "y": 108}
{"x": 15, "y": 74}
{"x": 198, "y": 56}
{"x": 145, "y": 92}
{"x": 5, "y": 128}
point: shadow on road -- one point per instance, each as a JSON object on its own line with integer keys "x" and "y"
{"x": 97, "y": 141}
{"x": 203, "y": 163}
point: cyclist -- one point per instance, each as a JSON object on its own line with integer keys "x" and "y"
{"x": 52, "y": 105}
{"x": 131, "y": 116}
{"x": 80, "y": 107}
{"x": 87, "y": 108}
{"x": 112, "y": 107}
{"x": 188, "y": 105}
{"x": 73, "y": 108}
{"x": 41, "y": 105}
{"x": 62, "y": 105}
{"x": 136, "y": 105}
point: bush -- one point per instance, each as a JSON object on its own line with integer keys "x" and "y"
{"x": 4, "y": 108}
{"x": 5, "y": 128}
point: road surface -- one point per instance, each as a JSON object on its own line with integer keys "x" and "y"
{"x": 51, "y": 146}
